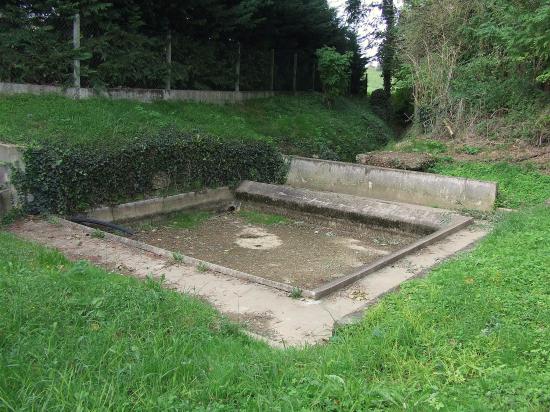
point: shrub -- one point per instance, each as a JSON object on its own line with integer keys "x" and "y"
{"x": 65, "y": 179}
{"x": 380, "y": 103}
{"x": 335, "y": 72}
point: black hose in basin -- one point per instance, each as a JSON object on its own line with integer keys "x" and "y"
{"x": 89, "y": 220}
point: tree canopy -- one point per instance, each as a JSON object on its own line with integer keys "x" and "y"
{"x": 117, "y": 34}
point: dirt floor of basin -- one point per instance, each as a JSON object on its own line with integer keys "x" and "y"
{"x": 299, "y": 249}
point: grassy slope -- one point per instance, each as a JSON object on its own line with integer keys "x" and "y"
{"x": 473, "y": 335}
{"x": 517, "y": 185}
{"x": 299, "y": 125}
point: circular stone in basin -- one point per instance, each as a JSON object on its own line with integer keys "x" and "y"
{"x": 257, "y": 238}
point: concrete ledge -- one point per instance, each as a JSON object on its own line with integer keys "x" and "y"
{"x": 11, "y": 153}
{"x": 363, "y": 271}
{"x": 388, "y": 214}
{"x": 160, "y": 205}
{"x": 142, "y": 95}
{"x": 391, "y": 184}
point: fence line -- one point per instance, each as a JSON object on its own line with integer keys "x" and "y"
{"x": 168, "y": 86}
{"x": 79, "y": 53}
{"x": 142, "y": 95}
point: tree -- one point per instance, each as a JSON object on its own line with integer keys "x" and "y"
{"x": 470, "y": 62}
{"x": 387, "y": 50}
{"x": 364, "y": 12}
{"x": 124, "y": 41}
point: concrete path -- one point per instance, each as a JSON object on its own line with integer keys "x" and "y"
{"x": 264, "y": 311}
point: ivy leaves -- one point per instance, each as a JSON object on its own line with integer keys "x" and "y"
{"x": 61, "y": 179}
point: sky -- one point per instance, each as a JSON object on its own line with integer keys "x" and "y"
{"x": 368, "y": 49}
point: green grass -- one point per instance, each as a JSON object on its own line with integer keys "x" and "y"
{"x": 188, "y": 220}
{"x": 178, "y": 257}
{"x": 517, "y": 185}
{"x": 202, "y": 267}
{"x": 259, "y": 218}
{"x": 296, "y": 293}
{"x": 98, "y": 234}
{"x": 297, "y": 124}
{"x": 375, "y": 79}
{"x": 473, "y": 335}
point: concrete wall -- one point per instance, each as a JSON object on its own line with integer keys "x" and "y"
{"x": 391, "y": 184}
{"x": 142, "y": 95}
{"x": 11, "y": 153}
{"x": 4, "y": 175}
{"x": 161, "y": 205}
{"x": 6, "y": 201}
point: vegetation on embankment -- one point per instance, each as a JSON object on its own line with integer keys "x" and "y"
{"x": 296, "y": 124}
{"x": 476, "y": 68}
{"x": 473, "y": 335}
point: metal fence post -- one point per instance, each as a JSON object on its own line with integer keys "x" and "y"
{"x": 272, "y": 83}
{"x": 294, "y": 72}
{"x": 313, "y": 77}
{"x": 76, "y": 61}
{"x": 238, "y": 69}
{"x": 169, "y": 61}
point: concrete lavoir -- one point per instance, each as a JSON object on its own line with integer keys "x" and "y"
{"x": 433, "y": 224}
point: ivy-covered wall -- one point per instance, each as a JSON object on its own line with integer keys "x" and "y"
{"x": 67, "y": 179}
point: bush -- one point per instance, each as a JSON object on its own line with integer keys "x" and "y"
{"x": 380, "y": 103}
{"x": 335, "y": 72}
{"x": 61, "y": 179}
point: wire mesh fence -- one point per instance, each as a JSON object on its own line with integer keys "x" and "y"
{"x": 57, "y": 47}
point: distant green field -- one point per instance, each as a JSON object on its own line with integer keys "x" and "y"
{"x": 375, "y": 80}
{"x": 296, "y": 124}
